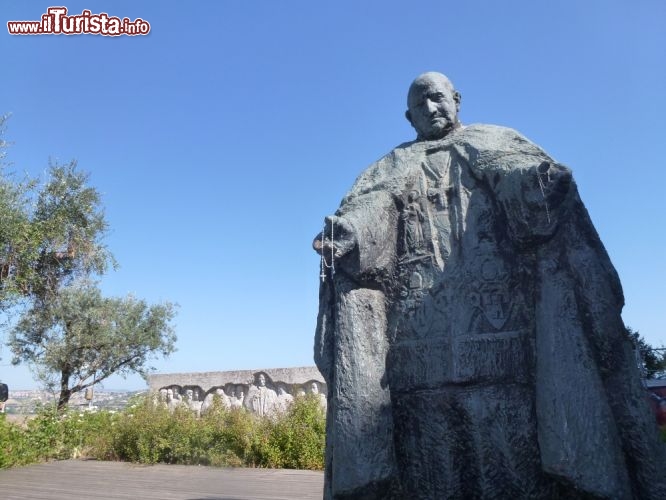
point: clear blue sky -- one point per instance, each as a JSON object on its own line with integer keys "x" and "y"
{"x": 221, "y": 140}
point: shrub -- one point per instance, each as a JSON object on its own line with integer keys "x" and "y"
{"x": 49, "y": 435}
{"x": 296, "y": 440}
{"x": 13, "y": 443}
{"x": 146, "y": 432}
{"x": 233, "y": 436}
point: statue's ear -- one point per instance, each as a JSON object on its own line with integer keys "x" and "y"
{"x": 457, "y": 97}
{"x": 408, "y": 115}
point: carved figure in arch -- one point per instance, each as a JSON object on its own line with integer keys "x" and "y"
{"x": 261, "y": 399}
{"x": 239, "y": 397}
{"x": 284, "y": 398}
{"x": 219, "y": 395}
{"x": 177, "y": 393}
{"x": 314, "y": 389}
{"x": 192, "y": 400}
{"x": 174, "y": 399}
{"x": 162, "y": 398}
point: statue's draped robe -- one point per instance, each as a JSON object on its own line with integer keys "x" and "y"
{"x": 490, "y": 360}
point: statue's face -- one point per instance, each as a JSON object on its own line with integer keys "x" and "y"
{"x": 314, "y": 388}
{"x": 432, "y": 106}
{"x": 262, "y": 380}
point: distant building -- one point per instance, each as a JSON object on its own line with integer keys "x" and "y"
{"x": 657, "y": 397}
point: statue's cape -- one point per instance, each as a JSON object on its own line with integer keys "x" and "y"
{"x": 590, "y": 404}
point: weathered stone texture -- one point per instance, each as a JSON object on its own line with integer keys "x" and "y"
{"x": 208, "y": 380}
{"x": 471, "y": 334}
{"x": 264, "y": 392}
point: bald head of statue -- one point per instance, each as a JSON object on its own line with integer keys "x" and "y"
{"x": 432, "y": 106}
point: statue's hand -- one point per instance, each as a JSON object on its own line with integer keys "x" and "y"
{"x": 338, "y": 237}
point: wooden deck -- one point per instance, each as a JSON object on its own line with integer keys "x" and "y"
{"x": 93, "y": 480}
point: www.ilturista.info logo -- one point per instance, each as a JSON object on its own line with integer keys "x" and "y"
{"x": 57, "y": 22}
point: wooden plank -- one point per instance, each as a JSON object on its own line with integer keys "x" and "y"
{"x": 92, "y": 480}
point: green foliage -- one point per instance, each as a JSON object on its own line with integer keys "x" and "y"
{"x": 70, "y": 223}
{"x": 296, "y": 441}
{"x": 51, "y": 246}
{"x": 233, "y": 436}
{"x": 146, "y": 432}
{"x": 17, "y": 241}
{"x": 50, "y": 235}
{"x": 51, "y": 435}
{"x": 84, "y": 337}
{"x": 15, "y": 445}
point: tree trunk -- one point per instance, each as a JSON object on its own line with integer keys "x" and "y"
{"x": 65, "y": 392}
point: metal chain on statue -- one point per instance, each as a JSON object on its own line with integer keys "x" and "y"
{"x": 542, "y": 187}
{"x": 324, "y": 265}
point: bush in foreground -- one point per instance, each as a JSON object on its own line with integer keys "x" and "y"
{"x": 50, "y": 435}
{"x": 148, "y": 433}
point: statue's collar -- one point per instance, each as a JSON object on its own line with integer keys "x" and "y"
{"x": 430, "y": 147}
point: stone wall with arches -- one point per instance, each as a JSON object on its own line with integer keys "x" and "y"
{"x": 263, "y": 392}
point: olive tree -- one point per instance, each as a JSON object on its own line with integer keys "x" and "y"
{"x": 15, "y": 230}
{"x": 79, "y": 337}
{"x": 50, "y": 235}
{"x": 14, "y": 241}
{"x": 51, "y": 247}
